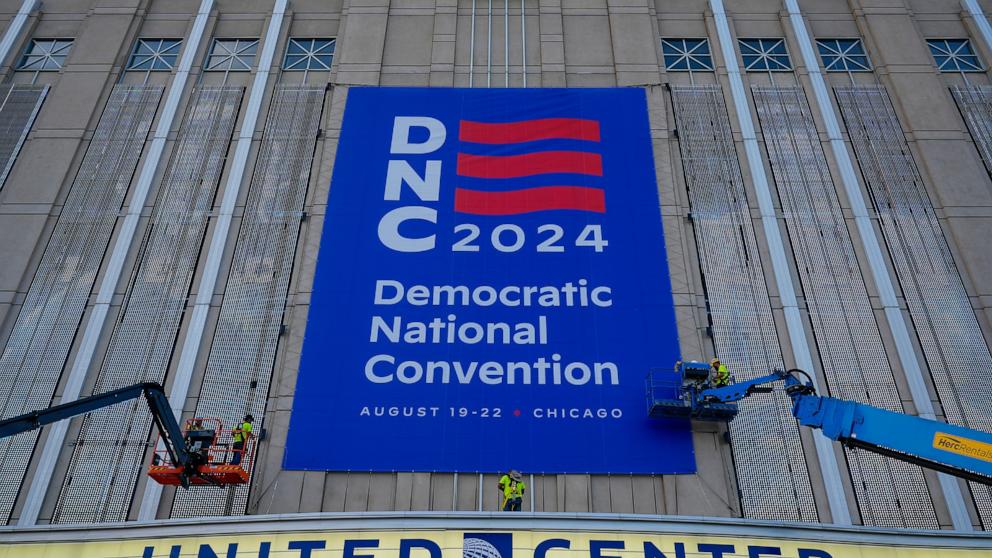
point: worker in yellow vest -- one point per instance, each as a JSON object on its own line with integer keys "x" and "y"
{"x": 512, "y": 485}
{"x": 241, "y": 435}
{"x": 719, "y": 373}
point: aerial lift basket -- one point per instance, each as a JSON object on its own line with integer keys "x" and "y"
{"x": 216, "y": 462}
{"x": 673, "y": 394}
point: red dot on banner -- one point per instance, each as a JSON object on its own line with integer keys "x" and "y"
{"x": 516, "y": 412}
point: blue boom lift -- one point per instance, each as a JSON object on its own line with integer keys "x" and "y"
{"x": 948, "y": 448}
{"x": 188, "y": 455}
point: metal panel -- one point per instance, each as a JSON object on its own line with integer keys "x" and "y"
{"x": 948, "y": 330}
{"x": 975, "y": 104}
{"x": 239, "y": 367}
{"x": 744, "y": 332}
{"x": 20, "y": 106}
{"x": 889, "y": 493}
{"x": 109, "y": 452}
{"x": 116, "y": 260}
{"x": 218, "y": 239}
{"x": 36, "y": 351}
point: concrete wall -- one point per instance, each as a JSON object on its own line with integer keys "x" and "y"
{"x": 573, "y": 43}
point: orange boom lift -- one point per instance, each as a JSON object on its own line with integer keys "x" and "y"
{"x": 199, "y": 454}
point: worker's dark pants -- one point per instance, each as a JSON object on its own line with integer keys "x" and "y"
{"x": 237, "y": 447}
{"x": 512, "y": 504}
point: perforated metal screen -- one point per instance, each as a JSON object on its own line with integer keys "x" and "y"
{"x": 36, "y": 351}
{"x": 20, "y": 105}
{"x": 890, "y": 493}
{"x": 766, "y": 458}
{"x": 239, "y": 368}
{"x": 948, "y": 330}
{"x": 109, "y": 452}
{"x": 975, "y": 104}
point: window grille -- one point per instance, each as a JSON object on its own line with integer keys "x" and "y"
{"x": 843, "y": 55}
{"x": 765, "y": 55}
{"x": 233, "y": 55}
{"x": 954, "y": 55}
{"x": 45, "y": 55}
{"x": 687, "y": 55}
{"x": 309, "y": 54}
{"x": 154, "y": 54}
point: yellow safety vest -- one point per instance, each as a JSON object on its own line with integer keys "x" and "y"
{"x": 245, "y": 430}
{"x": 511, "y": 488}
{"x": 722, "y": 374}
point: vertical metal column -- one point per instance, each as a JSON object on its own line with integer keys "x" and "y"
{"x": 523, "y": 41}
{"x": 242, "y": 355}
{"x": 218, "y": 241}
{"x": 471, "y": 47}
{"x": 109, "y": 452}
{"x": 890, "y": 493}
{"x": 982, "y": 22}
{"x": 115, "y": 265}
{"x": 948, "y": 330}
{"x": 39, "y": 344}
{"x": 873, "y": 253}
{"x": 15, "y": 27}
{"x": 771, "y": 469}
{"x": 18, "y": 110}
{"x": 489, "y": 46}
{"x": 840, "y": 514}
{"x": 506, "y": 43}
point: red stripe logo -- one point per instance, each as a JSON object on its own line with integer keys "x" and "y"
{"x": 530, "y": 164}
{"x": 528, "y": 130}
{"x": 530, "y": 200}
{"x": 500, "y": 170}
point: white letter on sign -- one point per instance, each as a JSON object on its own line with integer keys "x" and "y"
{"x": 397, "y": 291}
{"x": 389, "y": 229}
{"x": 401, "y": 135}
{"x": 427, "y": 188}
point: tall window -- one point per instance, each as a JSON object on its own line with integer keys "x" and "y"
{"x": 235, "y": 55}
{"x": 765, "y": 55}
{"x": 45, "y": 54}
{"x": 686, "y": 54}
{"x": 309, "y": 54}
{"x": 843, "y": 55}
{"x": 154, "y": 54}
{"x": 954, "y": 55}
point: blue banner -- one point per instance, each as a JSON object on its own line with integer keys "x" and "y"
{"x": 491, "y": 290}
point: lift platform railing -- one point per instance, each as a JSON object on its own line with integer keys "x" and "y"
{"x": 219, "y": 462}
{"x": 674, "y": 393}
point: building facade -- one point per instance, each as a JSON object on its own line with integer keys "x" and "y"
{"x": 824, "y": 176}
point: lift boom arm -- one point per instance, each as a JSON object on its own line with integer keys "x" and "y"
{"x": 949, "y": 448}
{"x": 952, "y": 449}
{"x": 158, "y": 403}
